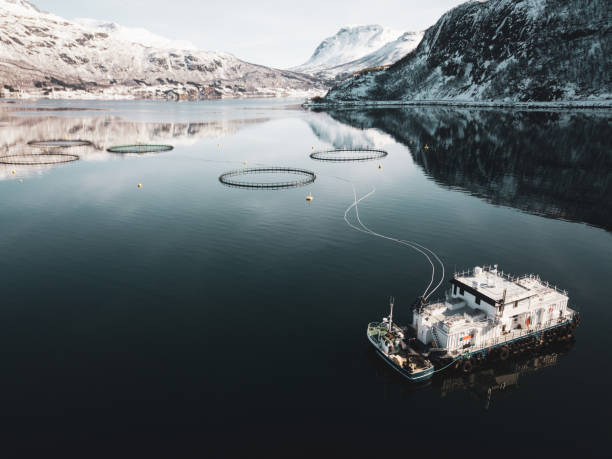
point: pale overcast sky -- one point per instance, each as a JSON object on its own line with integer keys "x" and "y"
{"x": 277, "y": 33}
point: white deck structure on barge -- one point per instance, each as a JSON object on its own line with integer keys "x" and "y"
{"x": 486, "y": 307}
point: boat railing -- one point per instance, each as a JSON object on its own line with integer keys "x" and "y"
{"x": 511, "y": 335}
{"x": 493, "y": 270}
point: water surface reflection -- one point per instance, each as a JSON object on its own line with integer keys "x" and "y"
{"x": 555, "y": 164}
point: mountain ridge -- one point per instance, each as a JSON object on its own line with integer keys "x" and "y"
{"x": 500, "y": 51}
{"x": 354, "y": 48}
{"x": 44, "y": 55}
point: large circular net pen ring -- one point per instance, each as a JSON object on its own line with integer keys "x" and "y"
{"x": 37, "y": 159}
{"x": 239, "y": 178}
{"x": 348, "y": 155}
{"x": 139, "y": 148}
{"x": 59, "y": 143}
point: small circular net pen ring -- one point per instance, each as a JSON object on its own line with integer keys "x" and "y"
{"x": 139, "y": 148}
{"x": 38, "y": 159}
{"x": 58, "y": 143}
{"x": 348, "y": 154}
{"x": 233, "y": 178}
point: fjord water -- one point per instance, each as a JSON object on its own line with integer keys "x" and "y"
{"x": 188, "y": 317}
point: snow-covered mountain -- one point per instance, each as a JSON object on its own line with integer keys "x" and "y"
{"x": 355, "y": 48}
{"x": 382, "y": 57}
{"x": 42, "y": 54}
{"x": 135, "y": 35}
{"x": 501, "y": 51}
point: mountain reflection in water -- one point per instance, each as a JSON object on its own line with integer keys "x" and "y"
{"x": 103, "y": 131}
{"x": 554, "y": 164}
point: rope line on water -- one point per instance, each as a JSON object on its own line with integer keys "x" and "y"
{"x": 413, "y": 245}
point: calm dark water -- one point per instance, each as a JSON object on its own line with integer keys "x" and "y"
{"x": 191, "y": 319}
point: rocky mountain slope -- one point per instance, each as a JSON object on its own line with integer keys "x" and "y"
{"x": 44, "y": 55}
{"x": 501, "y": 51}
{"x": 358, "y": 47}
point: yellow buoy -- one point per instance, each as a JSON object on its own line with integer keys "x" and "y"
{"x": 426, "y": 147}
{"x": 13, "y": 172}
{"x": 20, "y": 180}
{"x": 309, "y": 197}
{"x": 313, "y": 148}
{"x": 245, "y": 163}
{"x": 380, "y": 166}
{"x": 140, "y": 185}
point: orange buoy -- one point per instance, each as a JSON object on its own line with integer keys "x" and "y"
{"x": 140, "y": 185}
{"x": 426, "y": 147}
{"x": 380, "y": 166}
{"x": 309, "y": 197}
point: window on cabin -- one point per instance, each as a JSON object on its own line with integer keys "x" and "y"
{"x": 454, "y": 289}
{"x": 461, "y": 292}
{"x": 477, "y": 300}
{"x": 516, "y": 304}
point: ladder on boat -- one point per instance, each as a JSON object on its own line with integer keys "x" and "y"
{"x": 435, "y": 337}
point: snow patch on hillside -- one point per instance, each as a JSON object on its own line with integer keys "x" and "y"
{"x": 134, "y": 35}
{"x": 348, "y": 44}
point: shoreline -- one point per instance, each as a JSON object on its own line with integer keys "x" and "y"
{"x": 588, "y": 104}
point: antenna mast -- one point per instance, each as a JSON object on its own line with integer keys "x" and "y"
{"x": 391, "y": 301}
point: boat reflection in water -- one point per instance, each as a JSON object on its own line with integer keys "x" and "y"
{"x": 491, "y": 381}
{"x": 497, "y": 380}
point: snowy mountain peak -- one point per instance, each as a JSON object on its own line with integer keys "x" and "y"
{"x": 348, "y": 44}
{"x": 44, "y": 55}
{"x": 501, "y": 51}
{"x": 134, "y": 34}
{"x": 18, "y": 6}
{"x": 355, "y": 48}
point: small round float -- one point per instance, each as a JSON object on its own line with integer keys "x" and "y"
{"x": 348, "y": 154}
{"x": 240, "y": 178}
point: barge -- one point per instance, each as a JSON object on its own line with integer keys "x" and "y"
{"x": 486, "y": 314}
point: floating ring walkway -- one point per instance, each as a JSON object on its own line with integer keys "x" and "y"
{"x": 347, "y": 154}
{"x": 229, "y": 178}
{"x": 56, "y": 143}
{"x": 38, "y": 159}
{"x": 139, "y": 148}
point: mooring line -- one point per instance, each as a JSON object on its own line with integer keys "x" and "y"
{"x": 411, "y": 244}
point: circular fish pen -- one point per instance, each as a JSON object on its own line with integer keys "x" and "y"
{"x": 59, "y": 143}
{"x": 347, "y": 155}
{"x": 139, "y": 149}
{"x": 37, "y": 159}
{"x": 239, "y": 178}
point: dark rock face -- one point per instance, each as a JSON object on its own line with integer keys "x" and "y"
{"x": 502, "y": 50}
{"x": 555, "y": 164}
